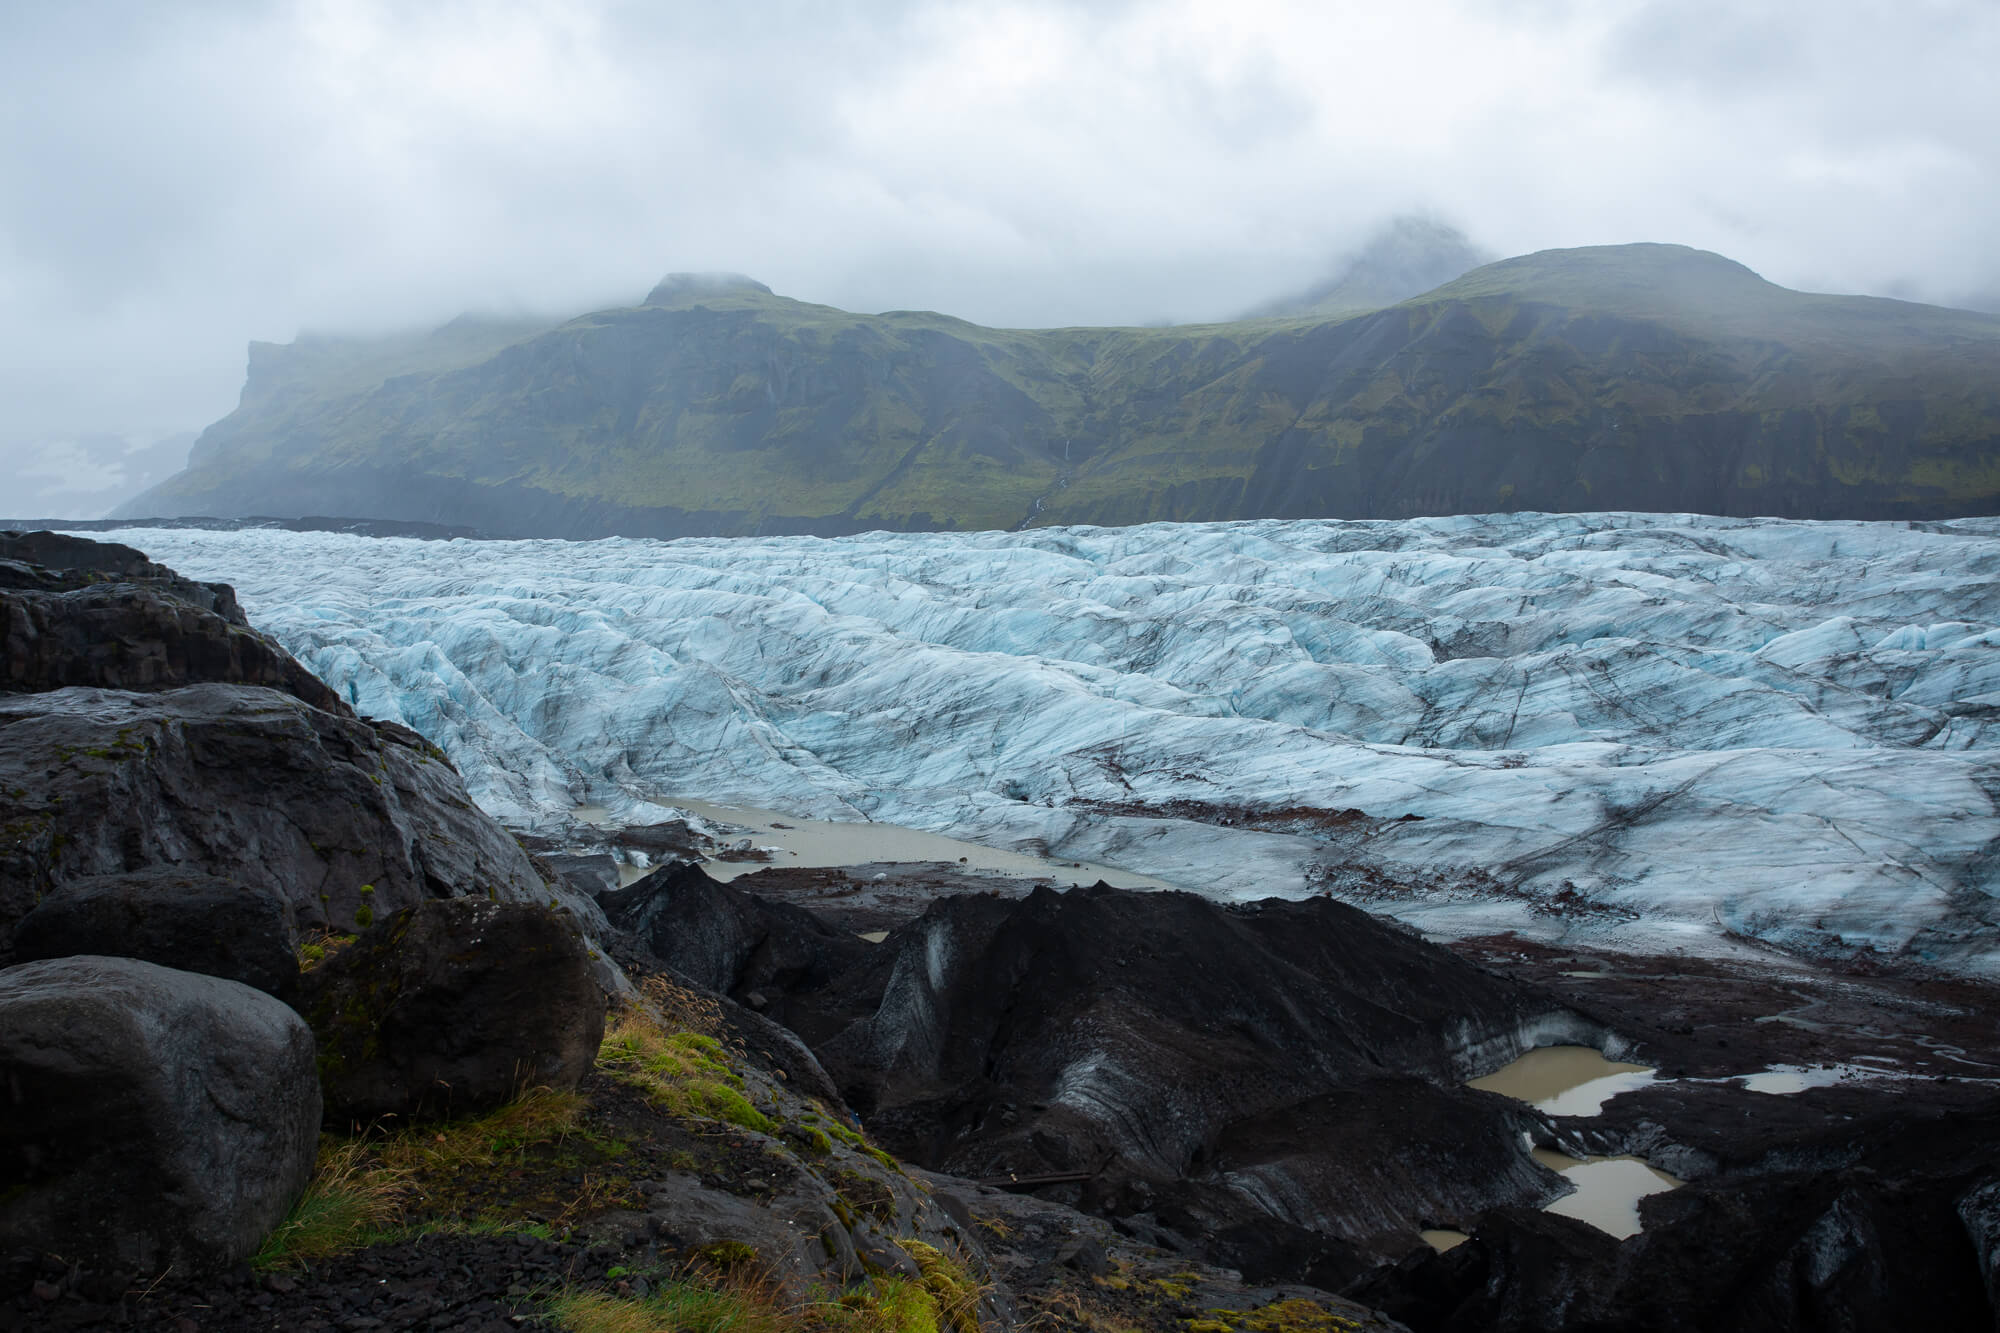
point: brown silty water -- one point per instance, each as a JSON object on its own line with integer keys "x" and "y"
{"x": 817, "y": 843}
{"x": 1577, "y": 1081}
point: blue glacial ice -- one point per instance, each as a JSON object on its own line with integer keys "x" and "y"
{"x": 1702, "y": 728}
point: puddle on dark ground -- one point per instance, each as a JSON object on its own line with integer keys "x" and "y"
{"x": 1857, "y": 1040}
{"x": 1577, "y": 1081}
{"x": 1565, "y": 1080}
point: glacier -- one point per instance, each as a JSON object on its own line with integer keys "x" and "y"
{"x": 1660, "y": 731}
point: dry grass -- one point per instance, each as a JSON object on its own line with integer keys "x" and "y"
{"x": 738, "y": 1298}
{"x": 678, "y": 1009}
{"x": 362, "y": 1187}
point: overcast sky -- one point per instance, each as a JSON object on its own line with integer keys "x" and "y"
{"x": 179, "y": 178}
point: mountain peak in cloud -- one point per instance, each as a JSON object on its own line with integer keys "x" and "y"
{"x": 676, "y": 287}
{"x": 1406, "y": 257}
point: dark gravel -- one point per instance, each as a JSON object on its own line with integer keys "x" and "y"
{"x": 432, "y": 1284}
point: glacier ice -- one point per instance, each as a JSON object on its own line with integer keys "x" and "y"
{"x": 1708, "y": 727}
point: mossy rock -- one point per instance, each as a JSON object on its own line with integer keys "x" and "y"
{"x": 453, "y": 1007}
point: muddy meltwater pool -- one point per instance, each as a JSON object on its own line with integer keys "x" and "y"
{"x": 1564, "y": 1080}
{"x": 1576, "y": 1080}
{"x": 820, "y": 843}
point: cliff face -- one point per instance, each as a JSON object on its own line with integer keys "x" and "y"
{"x": 1633, "y": 377}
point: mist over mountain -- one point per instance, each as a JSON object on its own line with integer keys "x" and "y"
{"x": 1406, "y": 258}
{"x": 85, "y": 475}
{"x": 1641, "y": 377}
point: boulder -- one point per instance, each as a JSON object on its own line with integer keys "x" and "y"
{"x": 348, "y": 820}
{"x": 78, "y": 612}
{"x": 586, "y": 872}
{"x": 148, "y": 1117}
{"x": 670, "y": 837}
{"x": 453, "y": 1007}
{"x": 184, "y": 919}
{"x": 726, "y": 940}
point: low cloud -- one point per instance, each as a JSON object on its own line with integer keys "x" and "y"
{"x": 178, "y": 179}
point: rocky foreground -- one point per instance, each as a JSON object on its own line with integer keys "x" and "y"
{"x": 293, "y": 1036}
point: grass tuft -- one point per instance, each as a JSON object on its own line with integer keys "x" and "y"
{"x": 680, "y": 1307}
{"x": 349, "y": 1198}
{"x": 539, "y": 1116}
{"x": 316, "y": 948}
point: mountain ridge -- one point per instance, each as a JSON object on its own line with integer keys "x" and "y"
{"x": 1646, "y": 377}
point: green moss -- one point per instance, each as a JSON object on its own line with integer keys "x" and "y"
{"x": 727, "y": 1254}
{"x": 1289, "y": 1316}
{"x": 950, "y": 1286}
{"x": 813, "y": 1142}
{"x": 684, "y": 1073}
{"x": 897, "y": 1305}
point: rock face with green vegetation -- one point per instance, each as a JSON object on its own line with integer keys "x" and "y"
{"x": 1641, "y": 377}
{"x": 148, "y": 1117}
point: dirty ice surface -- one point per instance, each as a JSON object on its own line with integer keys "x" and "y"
{"x": 1665, "y": 727}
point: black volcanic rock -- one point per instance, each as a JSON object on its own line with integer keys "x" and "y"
{"x": 148, "y": 1117}
{"x": 196, "y": 922}
{"x": 1889, "y": 1227}
{"x": 1521, "y": 1270}
{"x": 1979, "y": 1210}
{"x": 349, "y": 821}
{"x": 60, "y": 560}
{"x": 1285, "y": 1073}
{"x": 451, "y": 1008}
{"x": 730, "y": 941}
{"x": 145, "y": 726}
{"x": 79, "y": 612}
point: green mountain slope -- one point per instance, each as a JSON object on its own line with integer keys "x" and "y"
{"x": 1632, "y": 377}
